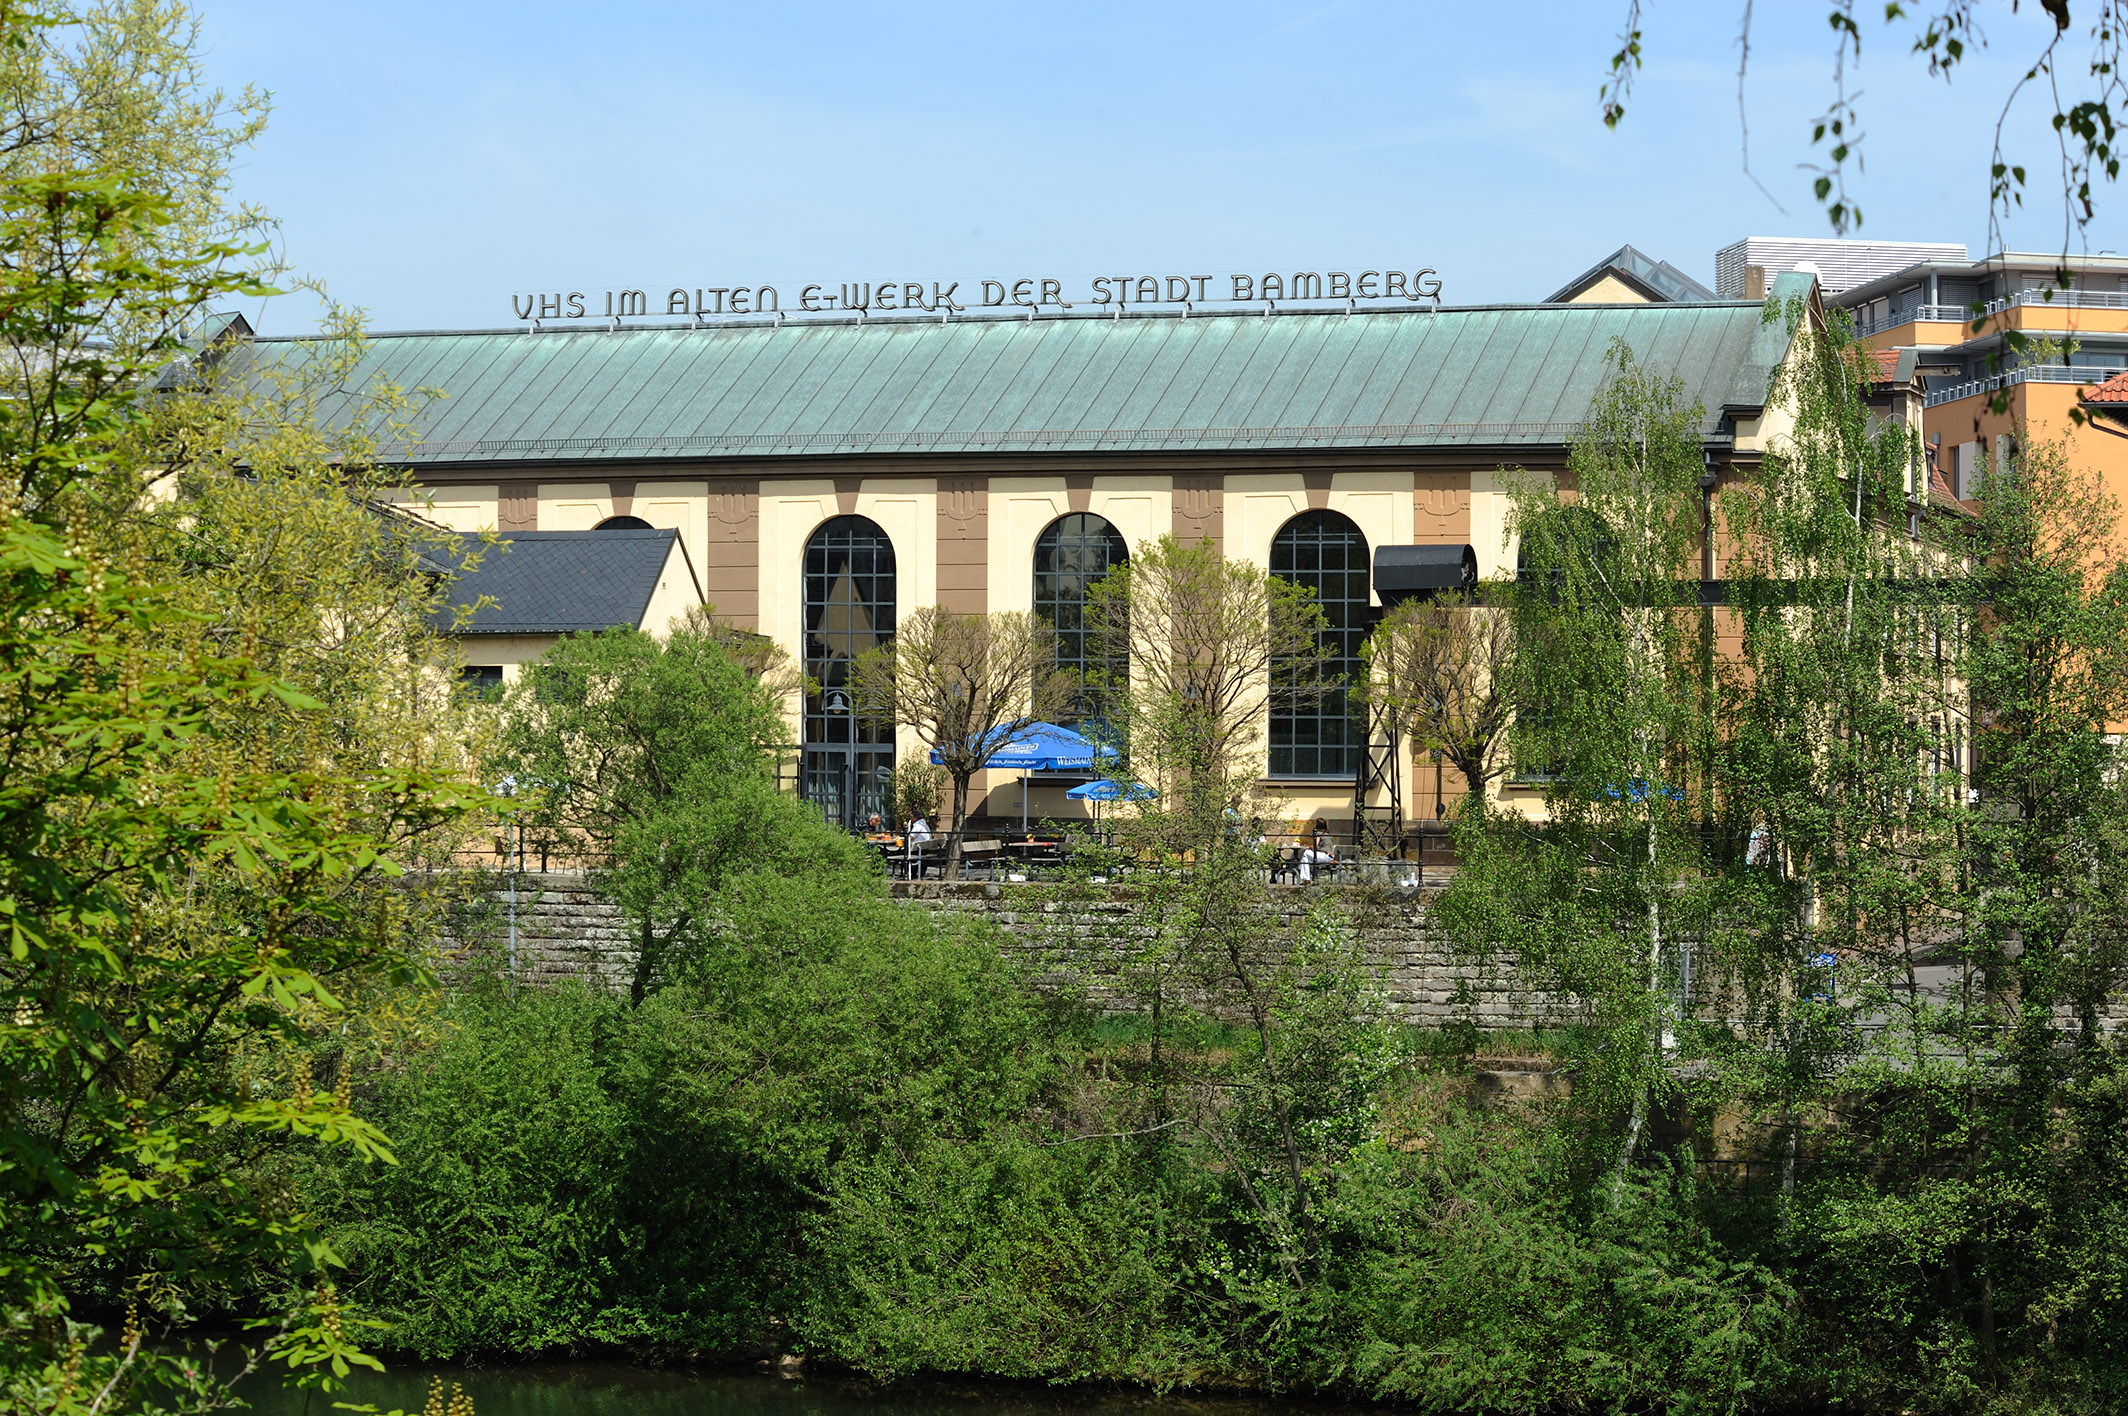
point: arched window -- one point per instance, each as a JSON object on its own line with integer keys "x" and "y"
{"x": 1324, "y": 552}
{"x": 624, "y": 523}
{"x": 849, "y": 608}
{"x": 1069, "y": 556}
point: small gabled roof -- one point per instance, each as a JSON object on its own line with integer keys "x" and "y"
{"x": 565, "y": 582}
{"x": 1656, "y": 280}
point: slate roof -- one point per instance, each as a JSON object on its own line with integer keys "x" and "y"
{"x": 559, "y": 582}
{"x": 1493, "y": 376}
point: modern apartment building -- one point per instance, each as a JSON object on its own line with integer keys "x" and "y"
{"x": 1958, "y": 317}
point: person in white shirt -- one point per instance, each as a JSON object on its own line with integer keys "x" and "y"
{"x": 919, "y": 833}
{"x": 1316, "y": 852}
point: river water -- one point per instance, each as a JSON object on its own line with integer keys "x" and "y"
{"x": 602, "y": 1389}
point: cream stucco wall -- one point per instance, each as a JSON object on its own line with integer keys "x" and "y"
{"x": 681, "y": 505}
{"x": 1379, "y": 503}
{"x": 1490, "y": 503}
{"x": 1140, "y": 508}
{"x": 1610, "y": 290}
{"x": 1019, "y": 508}
{"x": 791, "y": 510}
{"x": 573, "y": 506}
{"x": 510, "y": 651}
{"x": 459, "y": 508}
{"x": 1257, "y": 504}
{"x": 677, "y": 592}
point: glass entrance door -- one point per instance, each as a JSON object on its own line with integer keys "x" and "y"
{"x": 824, "y": 780}
{"x": 847, "y": 783}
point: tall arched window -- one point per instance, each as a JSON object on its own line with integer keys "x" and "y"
{"x": 849, "y": 608}
{"x": 1069, "y": 556}
{"x": 1324, "y": 552}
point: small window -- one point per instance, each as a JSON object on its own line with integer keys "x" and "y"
{"x": 1536, "y": 759}
{"x": 624, "y": 523}
{"x": 480, "y": 681}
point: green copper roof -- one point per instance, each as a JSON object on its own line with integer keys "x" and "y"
{"x": 1486, "y": 377}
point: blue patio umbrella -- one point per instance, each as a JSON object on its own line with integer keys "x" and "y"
{"x": 1108, "y": 790}
{"x": 1042, "y": 747}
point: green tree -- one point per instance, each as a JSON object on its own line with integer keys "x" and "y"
{"x": 970, "y": 686}
{"x": 1210, "y": 645}
{"x": 654, "y": 762}
{"x": 118, "y": 88}
{"x": 179, "y": 917}
{"x": 1600, "y": 896}
{"x": 1440, "y": 673}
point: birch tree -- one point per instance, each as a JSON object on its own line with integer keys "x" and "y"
{"x": 1211, "y": 644}
{"x": 1599, "y": 897}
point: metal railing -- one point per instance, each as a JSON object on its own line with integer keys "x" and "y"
{"x": 2064, "y": 300}
{"x": 1424, "y": 855}
{"x": 2022, "y": 299}
{"x": 1946, "y": 314}
{"x": 2030, "y": 373}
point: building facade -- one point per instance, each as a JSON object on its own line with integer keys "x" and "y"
{"x": 827, "y": 476}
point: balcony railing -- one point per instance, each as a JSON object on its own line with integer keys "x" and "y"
{"x": 1946, "y": 314}
{"x": 2023, "y": 299}
{"x": 2030, "y": 373}
{"x": 2065, "y": 300}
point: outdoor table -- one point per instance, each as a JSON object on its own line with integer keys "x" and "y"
{"x": 1036, "y": 852}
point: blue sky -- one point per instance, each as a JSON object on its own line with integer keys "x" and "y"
{"x": 427, "y": 160}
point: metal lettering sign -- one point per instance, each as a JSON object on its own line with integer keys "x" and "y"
{"x": 1029, "y": 293}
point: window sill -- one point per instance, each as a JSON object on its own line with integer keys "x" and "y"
{"x": 1343, "y": 779}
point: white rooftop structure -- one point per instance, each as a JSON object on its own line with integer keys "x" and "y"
{"x": 1838, "y": 264}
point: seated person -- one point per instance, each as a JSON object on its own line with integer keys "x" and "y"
{"x": 919, "y": 836}
{"x": 1316, "y": 852}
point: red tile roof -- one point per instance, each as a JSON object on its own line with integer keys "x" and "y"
{"x": 2113, "y": 390}
{"x": 1876, "y": 365}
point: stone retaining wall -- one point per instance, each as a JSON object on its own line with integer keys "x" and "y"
{"x": 1081, "y": 939}
{"x": 564, "y": 930}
